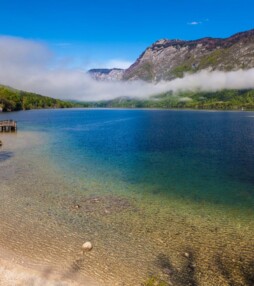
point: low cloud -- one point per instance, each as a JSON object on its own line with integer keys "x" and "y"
{"x": 31, "y": 66}
{"x": 206, "y": 80}
{"x": 19, "y": 53}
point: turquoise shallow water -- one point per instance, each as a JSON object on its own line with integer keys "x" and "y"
{"x": 165, "y": 181}
{"x": 199, "y": 155}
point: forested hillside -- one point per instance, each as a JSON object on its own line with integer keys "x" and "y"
{"x": 14, "y": 100}
{"x": 222, "y": 100}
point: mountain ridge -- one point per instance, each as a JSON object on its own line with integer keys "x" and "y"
{"x": 169, "y": 59}
{"x": 106, "y": 74}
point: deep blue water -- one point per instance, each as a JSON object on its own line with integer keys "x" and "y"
{"x": 196, "y": 155}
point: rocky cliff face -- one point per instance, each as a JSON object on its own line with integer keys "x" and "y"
{"x": 106, "y": 74}
{"x": 169, "y": 59}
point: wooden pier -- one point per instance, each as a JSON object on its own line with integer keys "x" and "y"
{"x": 8, "y": 126}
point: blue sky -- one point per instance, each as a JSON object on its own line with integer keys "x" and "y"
{"x": 97, "y": 31}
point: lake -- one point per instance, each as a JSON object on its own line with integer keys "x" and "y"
{"x": 160, "y": 193}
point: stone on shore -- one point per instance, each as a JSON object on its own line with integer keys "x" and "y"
{"x": 87, "y": 246}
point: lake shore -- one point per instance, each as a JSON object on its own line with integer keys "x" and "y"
{"x": 18, "y": 271}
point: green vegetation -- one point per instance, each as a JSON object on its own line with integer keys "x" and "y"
{"x": 14, "y": 100}
{"x": 219, "y": 100}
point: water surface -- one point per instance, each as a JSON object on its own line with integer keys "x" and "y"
{"x": 151, "y": 185}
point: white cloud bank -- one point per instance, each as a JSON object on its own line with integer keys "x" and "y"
{"x": 31, "y": 66}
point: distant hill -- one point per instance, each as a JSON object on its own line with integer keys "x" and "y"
{"x": 219, "y": 100}
{"x": 13, "y": 100}
{"x": 169, "y": 59}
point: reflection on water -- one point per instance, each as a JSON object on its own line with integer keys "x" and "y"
{"x": 159, "y": 194}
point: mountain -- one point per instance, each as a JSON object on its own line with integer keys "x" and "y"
{"x": 13, "y": 100}
{"x": 169, "y": 59}
{"x": 106, "y": 74}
